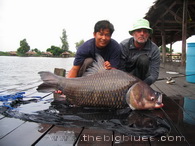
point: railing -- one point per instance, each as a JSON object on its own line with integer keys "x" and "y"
{"x": 172, "y": 57}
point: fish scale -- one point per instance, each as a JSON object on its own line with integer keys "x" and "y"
{"x": 108, "y": 91}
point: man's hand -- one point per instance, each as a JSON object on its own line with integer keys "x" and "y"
{"x": 107, "y": 65}
{"x": 73, "y": 72}
{"x": 58, "y": 92}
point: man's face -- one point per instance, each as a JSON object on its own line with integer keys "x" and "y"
{"x": 141, "y": 35}
{"x": 102, "y": 38}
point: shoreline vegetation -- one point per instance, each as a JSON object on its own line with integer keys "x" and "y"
{"x": 35, "y": 54}
{"x": 54, "y": 51}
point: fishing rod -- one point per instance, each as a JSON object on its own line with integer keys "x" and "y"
{"x": 170, "y": 79}
{"x": 167, "y": 78}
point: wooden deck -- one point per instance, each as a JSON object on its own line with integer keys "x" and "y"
{"x": 176, "y": 111}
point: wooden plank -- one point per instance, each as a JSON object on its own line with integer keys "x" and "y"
{"x": 177, "y": 116}
{"x": 173, "y": 138}
{"x": 165, "y": 88}
{"x": 7, "y": 125}
{"x": 180, "y": 87}
{"x": 25, "y": 135}
{"x": 176, "y": 90}
{"x": 181, "y": 90}
{"x": 96, "y": 137}
{"x": 1, "y": 116}
{"x": 173, "y": 113}
{"x": 163, "y": 140}
{"x": 175, "y": 110}
{"x": 188, "y": 88}
{"x": 59, "y": 135}
{"x": 60, "y": 72}
{"x": 123, "y": 140}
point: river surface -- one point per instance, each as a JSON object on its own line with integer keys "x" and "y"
{"x": 19, "y": 71}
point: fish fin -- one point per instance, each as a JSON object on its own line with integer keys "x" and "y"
{"x": 97, "y": 66}
{"x": 45, "y": 88}
{"x": 49, "y": 78}
{"x": 50, "y": 82}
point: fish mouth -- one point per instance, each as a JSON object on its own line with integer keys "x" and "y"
{"x": 159, "y": 103}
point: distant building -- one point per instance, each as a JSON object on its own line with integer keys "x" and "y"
{"x": 65, "y": 54}
{"x": 47, "y": 54}
{"x": 31, "y": 53}
{"x": 13, "y": 53}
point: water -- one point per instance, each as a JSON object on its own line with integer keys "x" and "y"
{"x": 19, "y": 71}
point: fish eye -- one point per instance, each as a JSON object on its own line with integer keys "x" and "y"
{"x": 152, "y": 98}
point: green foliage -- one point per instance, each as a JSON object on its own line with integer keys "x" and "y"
{"x": 78, "y": 44}
{"x": 37, "y": 51}
{"x": 4, "y": 53}
{"x": 24, "y": 47}
{"x": 65, "y": 45}
{"x": 56, "y": 51}
{"x": 72, "y": 54}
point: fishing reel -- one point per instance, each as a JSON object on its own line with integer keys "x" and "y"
{"x": 170, "y": 80}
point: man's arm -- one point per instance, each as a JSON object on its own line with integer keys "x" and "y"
{"x": 154, "y": 67}
{"x": 73, "y": 72}
{"x": 123, "y": 57}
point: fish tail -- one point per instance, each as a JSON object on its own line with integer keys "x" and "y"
{"x": 50, "y": 82}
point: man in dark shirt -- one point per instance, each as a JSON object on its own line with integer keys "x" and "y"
{"x": 102, "y": 44}
{"x": 139, "y": 55}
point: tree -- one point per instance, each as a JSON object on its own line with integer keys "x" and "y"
{"x": 65, "y": 45}
{"x": 37, "y": 51}
{"x": 78, "y": 44}
{"x": 56, "y": 51}
{"x": 24, "y": 47}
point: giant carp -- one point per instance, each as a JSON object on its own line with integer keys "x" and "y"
{"x": 103, "y": 88}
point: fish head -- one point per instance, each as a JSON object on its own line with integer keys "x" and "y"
{"x": 141, "y": 97}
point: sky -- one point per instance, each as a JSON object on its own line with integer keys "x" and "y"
{"x": 41, "y": 22}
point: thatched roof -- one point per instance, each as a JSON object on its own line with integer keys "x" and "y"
{"x": 31, "y": 53}
{"x": 167, "y": 15}
{"x": 47, "y": 53}
{"x": 65, "y": 53}
{"x": 13, "y": 53}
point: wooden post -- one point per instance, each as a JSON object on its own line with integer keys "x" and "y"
{"x": 171, "y": 52}
{"x": 163, "y": 47}
{"x": 59, "y": 72}
{"x": 184, "y": 32}
{"x": 163, "y": 43}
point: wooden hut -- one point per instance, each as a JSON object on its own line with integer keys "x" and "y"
{"x": 172, "y": 20}
{"x": 47, "y": 54}
{"x": 31, "y": 53}
{"x": 65, "y": 54}
{"x": 13, "y": 53}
